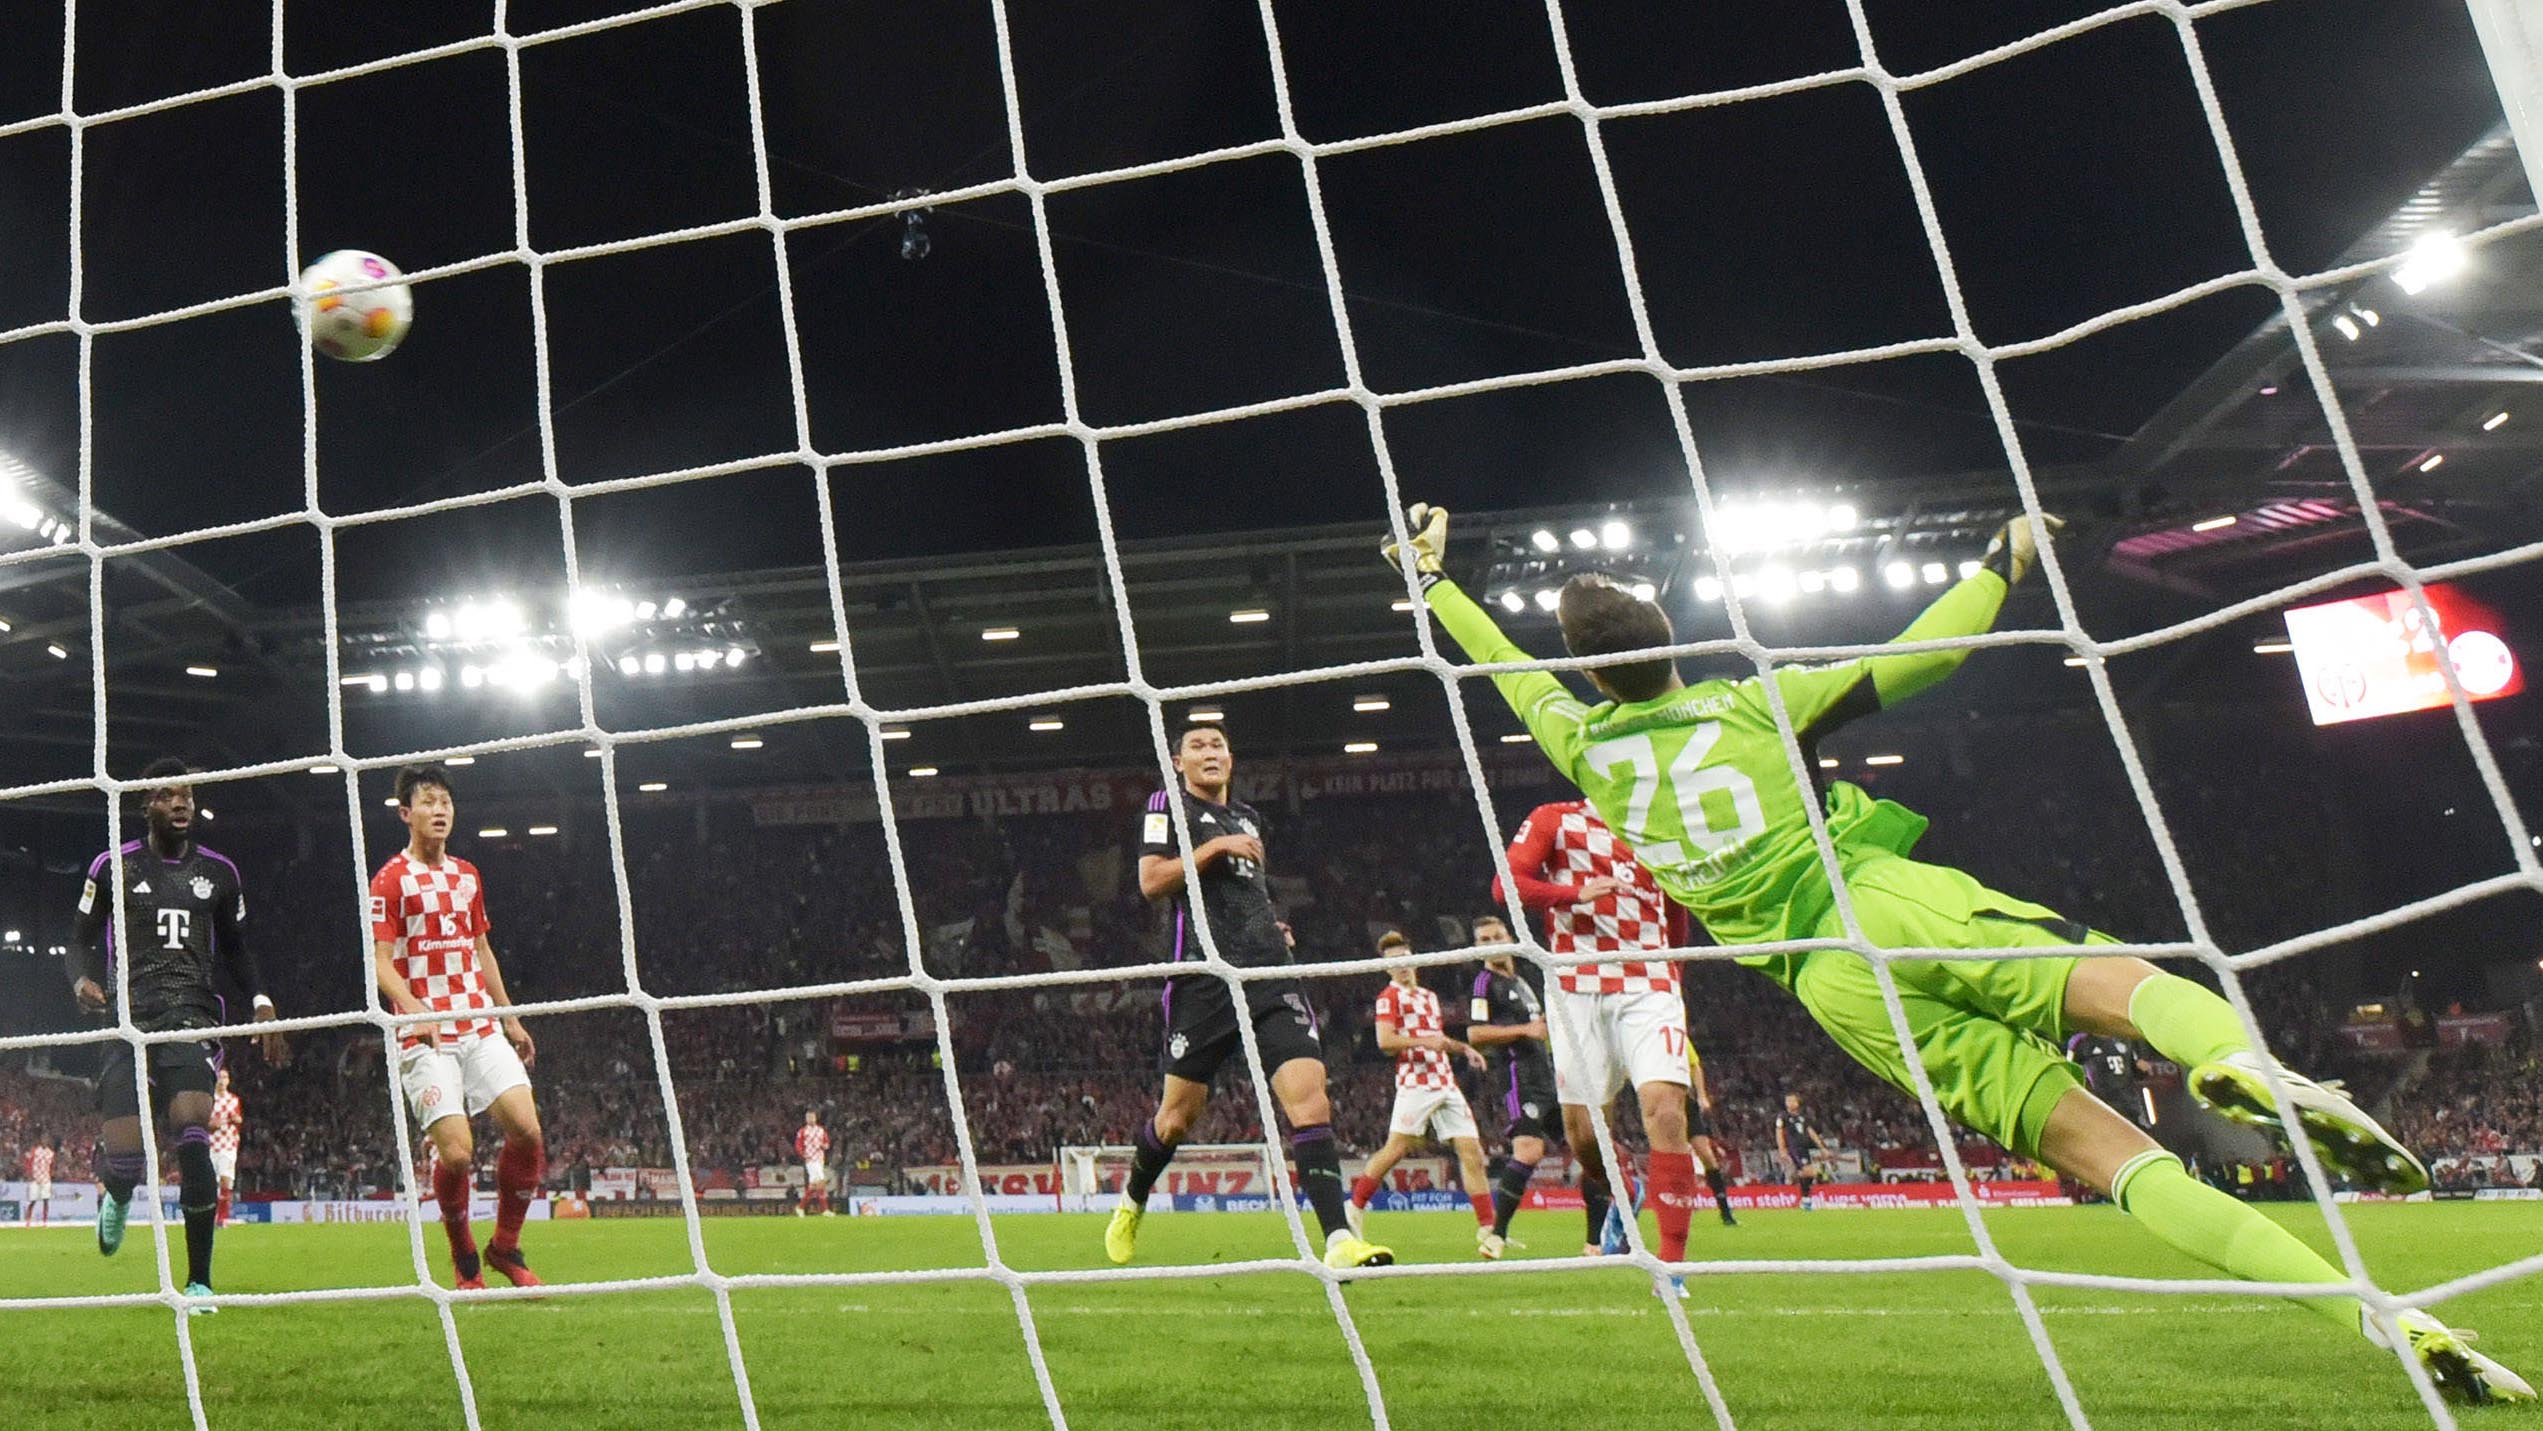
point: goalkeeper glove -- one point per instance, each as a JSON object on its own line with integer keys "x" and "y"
{"x": 2015, "y": 549}
{"x": 1427, "y": 546}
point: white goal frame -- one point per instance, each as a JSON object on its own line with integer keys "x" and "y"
{"x": 2294, "y": 293}
{"x": 1082, "y": 1174}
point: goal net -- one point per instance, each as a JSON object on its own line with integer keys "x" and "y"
{"x": 1209, "y": 1170}
{"x": 86, "y": 538}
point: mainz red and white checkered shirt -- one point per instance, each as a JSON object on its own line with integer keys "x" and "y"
{"x": 39, "y": 1165}
{"x": 1415, "y": 1014}
{"x": 228, "y": 1121}
{"x": 1566, "y": 843}
{"x": 812, "y": 1142}
{"x": 434, "y": 914}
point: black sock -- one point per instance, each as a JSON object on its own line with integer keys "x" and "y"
{"x": 199, "y": 1193}
{"x": 1320, "y": 1174}
{"x": 1595, "y": 1196}
{"x": 1806, "y": 1185}
{"x": 1507, "y": 1190}
{"x": 1721, "y": 1187}
{"x": 121, "y": 1173}
{"x": 1147, "y": 1162}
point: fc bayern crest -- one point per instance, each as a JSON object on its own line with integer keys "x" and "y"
{"x": 202, "y": 887}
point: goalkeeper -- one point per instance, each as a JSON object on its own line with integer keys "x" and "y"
{"x": 1697, "y": 779}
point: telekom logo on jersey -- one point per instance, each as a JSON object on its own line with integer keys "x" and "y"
{"x": 174, "y": 926}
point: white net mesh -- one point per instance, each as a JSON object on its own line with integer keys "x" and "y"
{"x": 2262, "y": 272}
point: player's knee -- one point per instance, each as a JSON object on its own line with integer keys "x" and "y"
{"x": 454, "y": 1144}
{"x": 1309, "y": 1110}
{"x": 1664, "y": 1116}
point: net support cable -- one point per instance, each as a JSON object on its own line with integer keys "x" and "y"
{"x": 2501, "y": 35}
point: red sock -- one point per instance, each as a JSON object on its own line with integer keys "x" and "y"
{"x": 516, "y": 1182}
{"x": 1673, "y": 1201}
{"x": 221, "y": 1209}
{"x": 1362, "y": 1189}
{"x": 450, "y": 1185}
{"x": 1482, "y": 1204}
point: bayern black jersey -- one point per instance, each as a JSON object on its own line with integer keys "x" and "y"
{"x": 1235, "y": 892}
{"x": 184, "y": 916}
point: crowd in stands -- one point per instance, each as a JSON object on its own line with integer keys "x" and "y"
{"x": 740, "y": 908}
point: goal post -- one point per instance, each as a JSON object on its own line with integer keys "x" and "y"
{"x": 1214, "y": 1169}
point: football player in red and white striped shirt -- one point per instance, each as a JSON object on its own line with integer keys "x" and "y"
{"x": 39, "y": 1176}
{"x": 1613, "y": 1021}
{"x": 229, "y": 1121}
{"x": 812, "y": 1144}
{"x": 1427, "y": 1103}
{"x": 430, "y": 954}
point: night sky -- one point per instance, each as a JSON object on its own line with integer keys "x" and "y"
{"x": 2069, "y": 181}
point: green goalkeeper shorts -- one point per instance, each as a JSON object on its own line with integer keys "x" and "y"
{"x": 1991, "y": 1031}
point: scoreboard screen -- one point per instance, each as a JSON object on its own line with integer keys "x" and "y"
{"x": 2378, "y": 655}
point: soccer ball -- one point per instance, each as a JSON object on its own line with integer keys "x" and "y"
{"x": 356, "y": 327}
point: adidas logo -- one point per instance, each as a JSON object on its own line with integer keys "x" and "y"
{"x": 141, "y": 888}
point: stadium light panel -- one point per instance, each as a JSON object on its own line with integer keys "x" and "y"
{"x": 1969, "y": 569}
{"x": 1000, "y": 633}
{"x": 406, "y": 680}
{"x": 1843, "y": 518}
{"x": 2434, "y": 259}
{"x": 1583, "y": 538}
{"x": 1615, "y": 536}
{"x": 1813, "y": 581}
{"x": 1776, "y": 583}
{"x": 2435, "y": 461}
{"x": 5, "y": 626}
{"x": 654, "y": 787}
{"x": 542, "y": 829}
{"x": 390, "y": 801}
{"x": 655, "y": 665}
{"x": 733, "y": 656}
{"x": 461, "y": 760}
{"x": 1743, "y": 585}
{"x": 1366, "y": 704}
{"x": 1512, "y": 602}
{"x": 1547, "y": 598}
{"x": 1249, "y": 616}
{"x": 12, "y": 936}
{"x": 437, "y": 626}
{"x": 1360, "y": 747}
{"x": 1899, "y": 574}
{"x": 1517, "y": 738}
{"x": 821, "y": 648}
{"x": 1844, "y": 580}
{"x": 429, "y": 678}
{"x": 493, "y": 832}
{"x": 1400, "y": 603}
{"x": 645, "y": 610}
{"x": 57, "y": 651}
{"x": 2492, "y": 423}
{"x": 202, "y": 673}
{"x": 896, "y": 732}
{"x": 322, "y": 768}
{"x": 592, "y": 754}
{"x": 1936, "y": 573}
{"x": 2273, "y": 648}
{"x": 471, "y": 677}
{"x": 629, "y": 665}
{"x": 1645, "y": 591}
{"x": 1202, "y": 715}
{"x": 922, "y": 772}
{"x": 1545, "y": 541}
{"x": 2214, "y": 524}
{"x": 2368, "y": 316}
{"x": 1708, "y": 588}
{"x": 1885, "y": 760}
{"x": 683, "y": 661}
{"x": 2347, "y": 327}
{"x": 747, "y": 742}
{"x": 672, "y": 610}
{"x": 2074, "y": 661}
{"x": 709, "y": 660}
{"x": 1827, "y": 762}
{"x": 1045, "y": 724}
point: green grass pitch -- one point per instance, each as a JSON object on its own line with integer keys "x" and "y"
{"x": 1927, "y": 1351}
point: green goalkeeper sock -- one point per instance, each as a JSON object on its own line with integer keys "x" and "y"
{"x": 2186, "y": 1022}
{"x": 2225, "y": 1234}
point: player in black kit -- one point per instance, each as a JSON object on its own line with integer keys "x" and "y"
{"x": 1506, "y": 1021}
{"x": 1201, "y": 1009}
{"x": 1799, "y": 1145}
{"x": 185, "y": 911}
{"x": 2116, "y": 1073}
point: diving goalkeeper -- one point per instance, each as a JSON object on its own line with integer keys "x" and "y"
{"x": 1697, "y": 779}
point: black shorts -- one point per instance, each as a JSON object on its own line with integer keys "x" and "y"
{"x": 1698, "y": 1125}
{"x": 174, "y": 1068}
{"x": 1201, "y": 1033}
{"x": 1527, "y": 1100}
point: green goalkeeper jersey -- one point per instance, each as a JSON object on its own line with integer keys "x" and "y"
{"x": 1698, "y": 781}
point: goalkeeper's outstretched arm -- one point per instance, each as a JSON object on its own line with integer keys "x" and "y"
{"x": 1551, "y": 713}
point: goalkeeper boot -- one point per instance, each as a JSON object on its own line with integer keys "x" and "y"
{"x": 110, "y": 1223}
{"x": 1121, "y": 1235}
{"x": 2352, "y": 1144}
{"x": 198, "y": 1289}
{"x": 2462, "y": 1375}
{"x": 1344, "y": 1251}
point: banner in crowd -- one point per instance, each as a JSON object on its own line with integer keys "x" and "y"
{"x": 77, "y": 1201}
{"x": 1228, "y": 1176}
{"x": 1069, "y": 792}
{"x": 1748, "y": 1196}
{"x": 2456, "y": 1030}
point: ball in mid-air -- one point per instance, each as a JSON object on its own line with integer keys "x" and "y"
{"x": 361, "y": 325}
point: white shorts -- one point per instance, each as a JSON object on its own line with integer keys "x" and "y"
{"x": 1438, "y": 1113}
{"x": 1602, "y": 1042}
{"x": 816, "y": 1173}
{"x": 39, "y": 1192}
{"x": 225, "y": 1164}
{"x": 453, "y": 1080}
